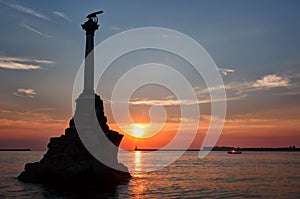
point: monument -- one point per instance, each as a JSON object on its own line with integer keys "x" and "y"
{"x": 67, "y": 160}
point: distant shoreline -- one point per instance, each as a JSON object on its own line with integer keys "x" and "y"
{"x": 15, "y": 149}
{"x": 288, "y": 149}
{"x": 283, "y": 149}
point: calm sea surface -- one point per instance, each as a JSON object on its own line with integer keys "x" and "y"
{"x": 218, "y": 175}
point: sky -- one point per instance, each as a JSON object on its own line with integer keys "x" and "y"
{"x": 255, "y": 45}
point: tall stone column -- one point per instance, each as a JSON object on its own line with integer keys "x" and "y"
{"x": 90, "y": 27}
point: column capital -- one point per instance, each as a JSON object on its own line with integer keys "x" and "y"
{"x": 90, "y": 27}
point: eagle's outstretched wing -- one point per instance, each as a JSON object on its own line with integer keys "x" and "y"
{"x": 94, "y": 14}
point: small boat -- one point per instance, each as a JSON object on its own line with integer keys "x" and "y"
{"x": 234, "y": 152}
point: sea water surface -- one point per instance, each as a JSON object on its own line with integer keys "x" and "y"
{"x": 218, "y": 175}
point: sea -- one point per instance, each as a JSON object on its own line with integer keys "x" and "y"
{"x": 217, "y": 175}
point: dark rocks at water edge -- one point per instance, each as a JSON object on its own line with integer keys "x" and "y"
{"x": 68, "y": 161}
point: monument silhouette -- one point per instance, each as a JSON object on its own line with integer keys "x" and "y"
{"x": 67, "y": 160}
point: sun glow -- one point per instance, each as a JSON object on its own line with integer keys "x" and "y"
{"x": 138, "y": 130}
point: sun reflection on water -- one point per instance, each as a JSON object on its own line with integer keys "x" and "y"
{"x": 139, "y": 186}
{"x": 137, "y": 161}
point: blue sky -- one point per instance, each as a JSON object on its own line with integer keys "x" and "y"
{"x": 255, "y": 43}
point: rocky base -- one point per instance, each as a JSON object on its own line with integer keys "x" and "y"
{"x": 67, "y": 162}
{"x": 85, "y": 173}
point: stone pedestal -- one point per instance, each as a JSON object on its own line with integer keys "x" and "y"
{"x": 67, "y": 161}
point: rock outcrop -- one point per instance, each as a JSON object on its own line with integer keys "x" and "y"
{"x": 67, "y": 161}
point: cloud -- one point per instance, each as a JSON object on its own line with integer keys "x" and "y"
{"x": 241, "y": 89}
{"x": 26, "y": 10}
{"x": 161, "y": 102}
{"x": 18, "y": 66}
{"x": 167, "y": 101}
{"x": 23, "y": 59}
{"x": 236, "y": 90}
{"x": 226, "y": 71}
{"x": 35, "y": 30}
{"x": 19, "y": 63}
{"x": 62, "y": 15}
{"x": 271, "y": 81}
{"x": 267, "y": 81}
{"x": 22, "y": 119}
{"x": 202, "y": 98}
{"x": 25, "y": 92}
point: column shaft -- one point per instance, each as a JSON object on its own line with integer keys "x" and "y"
{"x": 89, "y": 64}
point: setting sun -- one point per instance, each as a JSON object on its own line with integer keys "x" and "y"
{"x": 137, "y": 130}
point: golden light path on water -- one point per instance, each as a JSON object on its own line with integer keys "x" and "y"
{"x": 137, "y": 161}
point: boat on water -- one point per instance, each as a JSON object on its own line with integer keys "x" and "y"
{"x": 233, "y": 151}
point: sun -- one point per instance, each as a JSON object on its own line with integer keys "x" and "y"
{"x": 138, "y": 130}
